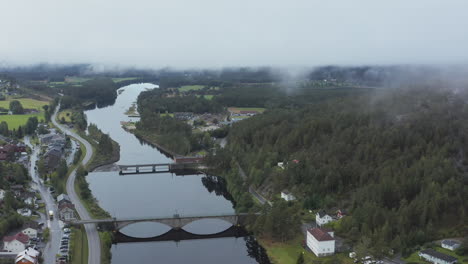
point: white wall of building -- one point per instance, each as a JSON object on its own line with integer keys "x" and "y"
{"x": 320, "y": 248}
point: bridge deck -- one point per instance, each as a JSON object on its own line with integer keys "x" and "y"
{"x": 142, "y": 219}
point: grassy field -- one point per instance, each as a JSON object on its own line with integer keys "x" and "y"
{"x": 287, "y": 253}
{"x": 79, "y": 246}
{"x": 415, "y": 258}
{"x": 186, "y": 88}
{"x": 207, "y": 96}
{"x": 167, "y": 114}
{"x": 66, "y": 114}
{"x": 237, "y": 109}
{"x": 27, "y": 103}
{"x": 117, "y": 80}
{"x": 15, "y": 121}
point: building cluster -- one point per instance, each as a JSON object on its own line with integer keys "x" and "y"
{"x": 323, "y": 217}
{"x": 238, "y": 114}
{"x": 13, "y": 151}
{"x": 54, "y": 143}
{"x": 27, "y": 237}
{"x": 27, "y": 196}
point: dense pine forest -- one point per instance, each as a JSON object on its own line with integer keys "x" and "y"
{"x": 397, "y": 159}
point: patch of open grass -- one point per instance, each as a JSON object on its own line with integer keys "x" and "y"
{"x": 117, "y": 80}
{"x": 79, "y": 246}
{"x": 66, "y": 115}
{"x": 258, "y": 109}
{"x": 27, "y": 103}
{"x": 15, "y": 121}
{"x": 186, "y": 88}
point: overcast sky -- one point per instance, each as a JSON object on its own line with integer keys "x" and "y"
{"x": 218, "y": 33}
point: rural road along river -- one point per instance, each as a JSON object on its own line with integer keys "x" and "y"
{"x": 94, "y": 243}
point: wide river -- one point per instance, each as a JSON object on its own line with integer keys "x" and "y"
{"x": 161, "y": 195}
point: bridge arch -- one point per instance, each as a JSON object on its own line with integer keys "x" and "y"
{"x": 177, "y": 223}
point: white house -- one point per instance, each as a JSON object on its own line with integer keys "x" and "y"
{"x": 281, "y": 165}
{"x": 2, "y": 194}
{"x": 322, "y": 218}
{"x": 321, "y": 242}
{"x": 31, "y": 229}
{"x": 24, "y": 212}
{"x": 16, "y": 243}
{"x": 28, "y": 256}
{"x": 286, "y": 195}
{"x": 436, "y": 257}
{"x": 450, "y": 244}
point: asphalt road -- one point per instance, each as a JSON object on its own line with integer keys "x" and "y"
{"x": 52, "y": 247}
{"x": 94, "y": 244}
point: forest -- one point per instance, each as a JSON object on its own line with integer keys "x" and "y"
{"x": 396, "y": 159}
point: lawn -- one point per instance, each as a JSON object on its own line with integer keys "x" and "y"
{"x": 15, "y": 121}
{"x": 66, "y": 114}
{"x": 27, "y": 103}
{"x": 167, "y": 114}
{"x": 186, "y": 88}
{"x": 415, "y": 258}
{"x": 79, "y": 246}
{"x": 238, "y": 109}
{"x": 287, "y": 253}
{"x": 117, "y": 80}
{"x": 207, "y": 96}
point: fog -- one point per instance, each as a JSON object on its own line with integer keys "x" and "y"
{"x": 217, "y": 33}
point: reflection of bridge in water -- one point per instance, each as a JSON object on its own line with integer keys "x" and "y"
{"x": 176, "y": 233}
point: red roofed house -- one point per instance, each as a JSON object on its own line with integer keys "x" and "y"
{"x": 16, "y": 243}
{"x": 321, "y": 241}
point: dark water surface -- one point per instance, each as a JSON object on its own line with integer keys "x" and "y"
{"x": 161, "y": 195}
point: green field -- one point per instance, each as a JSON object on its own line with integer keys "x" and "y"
{"x": 27, "y": 103}
{"x": 66, "y": 114}
{"x": 415, "y": 258}
{"x": 15, "y": 121}
{"x": 186, "y": 88}
{"x": 167, "y": 114}
{"x": 117, "y": 80}
{"x": 79, "y": 246}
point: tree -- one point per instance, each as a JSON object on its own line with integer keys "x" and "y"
{"x": 4, "y": 128}
{"x": 300, "y": 259}
{"x": 31, "y": 125}
{"x": 16, "y": 108}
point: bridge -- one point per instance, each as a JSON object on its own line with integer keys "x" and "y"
{"x": 176, "y": 222}
{"x": 180, "y": 164}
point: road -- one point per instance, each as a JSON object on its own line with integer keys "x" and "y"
{"x": 52, "y": 247}
{"x": 262, "y": 200}
{"x": 94, "y": 244}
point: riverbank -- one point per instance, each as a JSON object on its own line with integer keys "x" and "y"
{"x": 154, "y": 140}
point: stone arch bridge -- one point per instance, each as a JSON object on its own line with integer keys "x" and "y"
{"x": 175, "y": 222}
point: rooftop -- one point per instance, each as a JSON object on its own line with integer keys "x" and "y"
{"x": 320, "y": 234}
{"x": 20, "y": 237}
{"x": 437, "y": 254}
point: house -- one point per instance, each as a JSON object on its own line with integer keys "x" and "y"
{"x": 321, "y": 241}
{"x": 24, "y": 212}
{"x": 2, "y": 194}
{"x": 281, "y": 165}
{"x": 52, "y": 138}
{"x": 67, "y": 212}
{"x": 63, "y": 199}
{"x": 322, "y": 218}
{"x": 450, "y": 244}
{"x": 286, "y": 195}
{"x": 31, "y": 229}
{"x": 17, "y": 189}
{"x": 16, "y": 243}
{"x": 52, "y": 158}
{"x": 28, "y": 256}
{"x": 341, "y": 213}
{"x": 436, "y": 257}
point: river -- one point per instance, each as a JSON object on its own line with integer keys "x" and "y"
{"x": 161, "y": 195}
